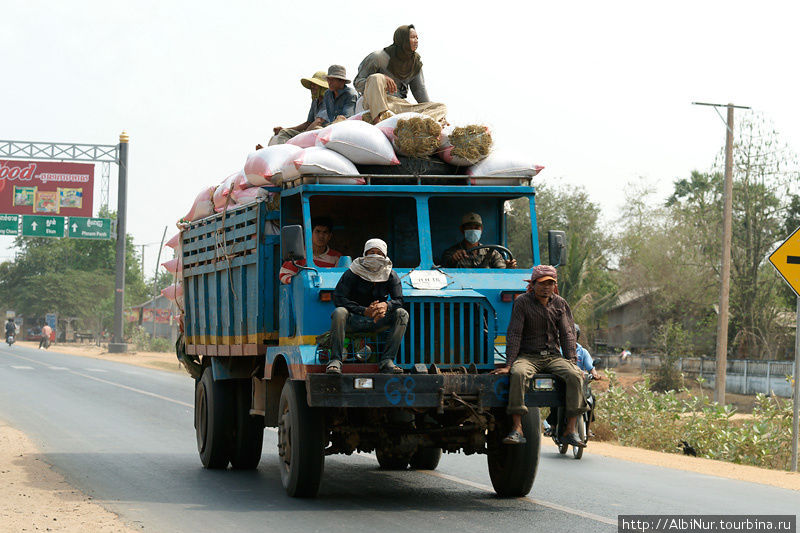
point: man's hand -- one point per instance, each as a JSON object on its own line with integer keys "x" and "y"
{"x": 502, "y": 370}
{"x": 511, "y": 264}
{"x": 391, "y": 86}
{"x": 316, "y": 124}
{"x": 573, "y": 359}
{"x": 378, "y": 310}
{"x": 276, "y": 130}
{"x": 596, "y": 376}
{"x": 459, "y": 254}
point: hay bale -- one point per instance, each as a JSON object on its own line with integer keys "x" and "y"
{"x": 471, "y": 143}
{"x": 417, "y": 136}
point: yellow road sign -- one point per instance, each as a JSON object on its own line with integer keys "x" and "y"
{"x": 786, "y": 260}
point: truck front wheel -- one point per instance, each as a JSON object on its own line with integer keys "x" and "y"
{"x": 512, "y": 467}
{"x": 213, "y": 407}
{"x": 301, "y": 442}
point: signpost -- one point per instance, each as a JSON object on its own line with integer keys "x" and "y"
{"x": 786, "y": 260}
{"x": 9, "y": 224}
{"x": 89, "y": 228}
{"x": 42, "y": 226}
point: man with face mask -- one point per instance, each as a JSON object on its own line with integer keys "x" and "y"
{"x": 462, "y": 254}
{"x": 369, "y": 298}
{"x": 317, "y": 115}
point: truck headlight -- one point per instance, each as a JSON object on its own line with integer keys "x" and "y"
{"x": 543, "y": 384}
{"x": 363, "y": 383}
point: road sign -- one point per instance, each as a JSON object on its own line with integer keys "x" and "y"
{"x": 9, "y": 224}
{"x": 89, "y": 228}
{"x": 42, "y": 226}
{"x": 786, "y": 260}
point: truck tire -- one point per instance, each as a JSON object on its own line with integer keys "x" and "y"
{"x": 426, "y": 459}
{"x": 248, "y": 436}
{"x": 213, "y": 410}
{"x": 301, "y": 442}
{"x": 390, "y": 460}
{"x": 512, "y": 467}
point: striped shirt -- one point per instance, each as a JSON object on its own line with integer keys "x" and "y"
{"x": 326, "y": 259}
{"x": 535, "y": 328}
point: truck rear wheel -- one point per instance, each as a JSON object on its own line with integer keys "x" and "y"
{"x": 213, "y": 407}
{"x": 426, "y": 459}
{"x": 249, "y": 432}
{"x": 301, "y": 442}
{"x": 512, "y": 467}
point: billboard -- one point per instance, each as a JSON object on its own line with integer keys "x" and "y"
{"x": 46, "y": 188}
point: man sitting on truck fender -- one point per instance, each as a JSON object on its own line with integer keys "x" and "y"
{"x": 540, "y": 331}
{"x": 369, "y": 298}
{"x": 461, "y": 255}
{"x": 324, "y": 257}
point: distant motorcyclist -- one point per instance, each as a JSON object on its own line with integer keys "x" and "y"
{"x": 11, "y": 329}
{"x": 44, "y": 341}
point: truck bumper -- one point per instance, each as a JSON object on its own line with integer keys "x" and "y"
{"x": 426, "y": 390}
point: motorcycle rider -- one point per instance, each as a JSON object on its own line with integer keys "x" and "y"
{"x": 586, "y": 364}
{"x": 11, "y": 328}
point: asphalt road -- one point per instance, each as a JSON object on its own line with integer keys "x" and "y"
{"x": 124, "y": 435}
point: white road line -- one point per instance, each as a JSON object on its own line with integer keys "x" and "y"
{"x": 121, "y": 386}
{"x": 96, "y": 370}
{"x": 58, "y": 368}
{"x": 543, "y": 503}
{"x": 16, "y": 367}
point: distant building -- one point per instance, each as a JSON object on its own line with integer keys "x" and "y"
{"x": 156, "y": 312}
{"x": 628, "y": 324}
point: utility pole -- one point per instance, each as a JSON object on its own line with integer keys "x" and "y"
{"x": 118, "y": 342}
{"x": 727, "y": 230}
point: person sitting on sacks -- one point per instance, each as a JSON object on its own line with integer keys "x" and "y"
{"x": 369, "y": 298}
{"x": 462, "y": 255}
{"x": 541, "y": 329}
{"x": 317, "y": 115}
{"x": 324, "y": 257}
{"x": 340, "y": 99}
{"x": 385, "y": 76}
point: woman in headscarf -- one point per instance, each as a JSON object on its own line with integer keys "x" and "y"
{"x": 385, "y": 76}
{"x": 368, "y": 298}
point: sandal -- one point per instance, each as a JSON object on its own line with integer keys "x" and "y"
{"x": 515, "y": 437}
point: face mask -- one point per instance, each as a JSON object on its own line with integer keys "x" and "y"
{"x": 472, "y": 235}
{"x": 374, "y": 262}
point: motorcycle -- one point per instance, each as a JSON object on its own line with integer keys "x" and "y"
{"x": 581, "y": 425}
{"x": 10, "y": 339}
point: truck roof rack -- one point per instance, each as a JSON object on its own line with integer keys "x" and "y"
{"x": 408, "y": 179}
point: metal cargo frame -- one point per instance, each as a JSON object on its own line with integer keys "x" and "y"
{"x": 230, "y": 268}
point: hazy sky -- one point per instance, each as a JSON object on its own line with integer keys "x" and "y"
{"x": 597, "y": 92}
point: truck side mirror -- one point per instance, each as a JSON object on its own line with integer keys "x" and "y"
{"x": 557, "y": 247}
{"x": 292, "y": 244}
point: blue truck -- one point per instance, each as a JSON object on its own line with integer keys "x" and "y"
{"x": 256, "y": 347}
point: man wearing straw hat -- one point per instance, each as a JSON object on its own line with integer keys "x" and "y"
{"x": 317, "y": 116}
{"x": 541, "y": 338}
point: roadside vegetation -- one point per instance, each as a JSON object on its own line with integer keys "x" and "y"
{"x": 145, "y": 342}
{"x": 660, "y": 421}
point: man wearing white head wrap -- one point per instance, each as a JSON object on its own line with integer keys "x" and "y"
{"x": 369, "y": 298}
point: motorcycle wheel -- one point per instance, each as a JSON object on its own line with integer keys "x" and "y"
{"x": 577, "y": 452}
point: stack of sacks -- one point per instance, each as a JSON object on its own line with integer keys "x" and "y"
{"x": 307, "y": 139}
{"x": 360, "y": 142}
{"x": 263, "y": 167}
{"x": 465, "y": 146}
{"x": 321, "y": 161}
{"x": 412, "y": 134}
{"x": 500, "y": 163}
{"x": 222, "y": 195}
{"x": 174, "y": 266}
{"x": 202, "y": 207}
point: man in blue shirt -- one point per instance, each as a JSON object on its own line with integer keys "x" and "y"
{"x": 586, "y": 364}
{"x": 339, "y": 100}
{"x": 317, "y": 116}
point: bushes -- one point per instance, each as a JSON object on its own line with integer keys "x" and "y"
{"x": 659, "y": 421}
{"x": 144, "y": 342}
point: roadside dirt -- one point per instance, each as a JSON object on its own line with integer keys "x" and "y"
{"x": 33, "y": 497}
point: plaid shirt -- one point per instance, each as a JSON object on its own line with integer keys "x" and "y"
{"x": 483, "y": 258}
{"x": 535, "y": 328}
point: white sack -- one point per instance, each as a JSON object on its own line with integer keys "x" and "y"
{"x": 360, "y": 142}
{"x": 505, "y": 164}
{"x": 263, "y": 167}
{"x": 321, "y": 161}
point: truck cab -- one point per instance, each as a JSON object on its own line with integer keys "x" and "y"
{"x": 446, "y": 399}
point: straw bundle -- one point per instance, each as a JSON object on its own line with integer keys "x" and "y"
{"x": 471, "y": 143}
{"x": 417, "y": 136}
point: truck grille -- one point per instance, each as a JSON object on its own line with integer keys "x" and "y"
{"x": 455, "y": 332}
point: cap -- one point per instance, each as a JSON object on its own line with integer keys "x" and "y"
{"x": 543, "y": 273}
{"x": 471, "y": 218}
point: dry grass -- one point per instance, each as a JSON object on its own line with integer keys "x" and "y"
{"x": 418, "y": 136}
{"x": 471, "y": 143}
